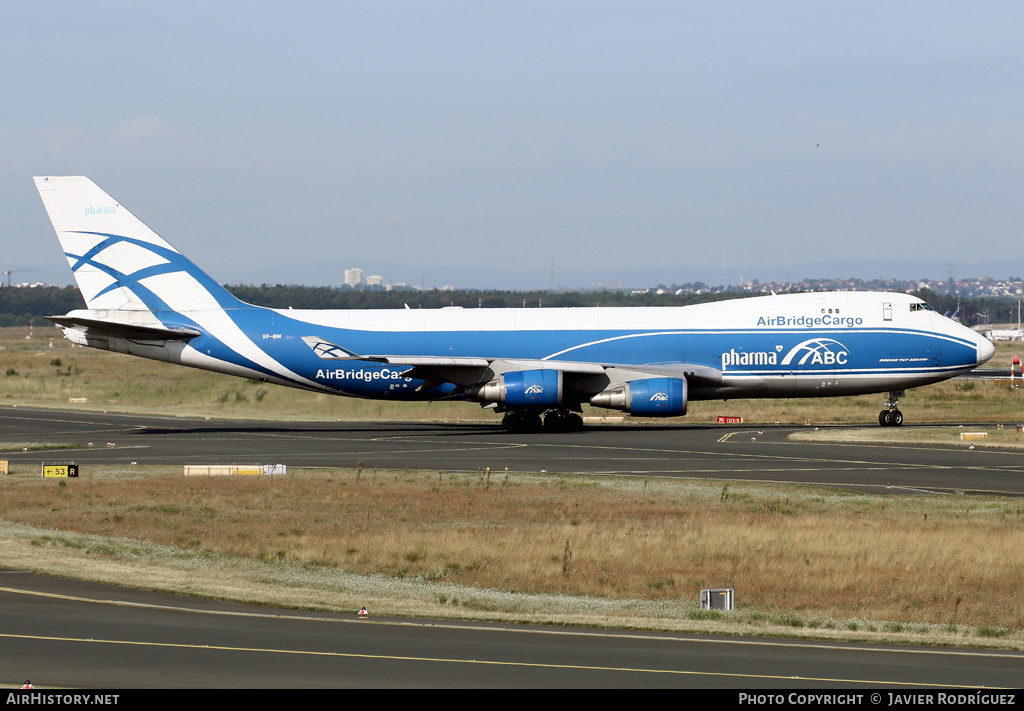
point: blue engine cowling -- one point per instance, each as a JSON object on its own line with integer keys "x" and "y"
{"x": 522, "y": 388}
{"x": 657, "y": 397}
{"x": 532, "y": 388}
{"x": 651, "y": 397}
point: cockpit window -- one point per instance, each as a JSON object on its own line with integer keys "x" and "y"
{"x": 921, "y": 306}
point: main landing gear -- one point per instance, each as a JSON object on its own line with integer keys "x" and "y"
{"x": 891, "y": 416}
{"x": 520, "y": 421}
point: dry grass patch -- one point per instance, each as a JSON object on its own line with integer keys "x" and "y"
{"x": 816, "y": 554}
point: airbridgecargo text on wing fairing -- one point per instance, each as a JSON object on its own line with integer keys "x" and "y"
{"x": 537, "y": 366}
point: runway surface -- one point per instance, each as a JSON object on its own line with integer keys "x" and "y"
{"x": 71, "y": 634}
{"x": 62, "y": 633}
{"x": 692, "y": 451}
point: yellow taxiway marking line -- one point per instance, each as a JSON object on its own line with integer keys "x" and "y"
{"x": 449, "y": 660}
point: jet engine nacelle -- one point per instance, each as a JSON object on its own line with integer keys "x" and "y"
{"x": 522, "y": 388}
{"x": 650, "y": 397}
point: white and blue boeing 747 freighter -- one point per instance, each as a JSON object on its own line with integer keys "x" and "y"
{"x": 146, "y": 299}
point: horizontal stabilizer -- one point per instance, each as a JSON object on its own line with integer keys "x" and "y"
{"x": 125, "y": 330}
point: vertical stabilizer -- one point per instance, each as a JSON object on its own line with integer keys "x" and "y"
{"x": 118, "y": 262}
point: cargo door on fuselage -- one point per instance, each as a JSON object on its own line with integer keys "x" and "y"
{"x": 815, "y": 358}
{"x": 815, "y": 365}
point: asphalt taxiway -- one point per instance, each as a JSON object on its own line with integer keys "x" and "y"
{"x": 66, "y": 634}
{"x": 691, "y": 451}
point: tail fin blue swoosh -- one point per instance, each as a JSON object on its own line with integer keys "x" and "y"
{"x": 119, "y": 263}
{"x": 138, "y": 287}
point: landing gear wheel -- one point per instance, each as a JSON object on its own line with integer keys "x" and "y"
{"x": 530, "y": 421}
{"x": 562, "y": 421}
{"x": 891, "y": 415}
{"x": 512, "y": 421}
{"x": 554, "y": 421}
{"x": 890, "y": 418}
{"x": 519, "y": 422}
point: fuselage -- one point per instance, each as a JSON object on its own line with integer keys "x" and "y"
{"x": 796, "y": 345}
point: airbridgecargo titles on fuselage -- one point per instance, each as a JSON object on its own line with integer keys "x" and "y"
{"x": 360, "y": 374}
{"x": 810, "y": 321}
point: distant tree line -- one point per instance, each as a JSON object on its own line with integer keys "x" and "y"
{"x": 308, "y": 297}
{"x": 972, "y": 311}
{"x": 19, "y": 305}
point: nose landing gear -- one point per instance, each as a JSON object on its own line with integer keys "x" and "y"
{"x": 891, "y": 416}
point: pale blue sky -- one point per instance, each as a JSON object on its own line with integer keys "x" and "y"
{"x": 590, "y": 135}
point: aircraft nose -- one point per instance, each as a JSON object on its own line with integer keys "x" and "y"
{"x": 986, "y": 349}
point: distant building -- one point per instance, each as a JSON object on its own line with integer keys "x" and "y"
{"x": 353, "y": 277}
{"x": 374, "y": 280}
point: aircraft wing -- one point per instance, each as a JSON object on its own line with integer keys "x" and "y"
{"x": 125, "y": 330}
{"x": 465, "y": 371}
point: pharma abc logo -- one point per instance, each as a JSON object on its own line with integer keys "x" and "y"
{"x": 817, "y": 351}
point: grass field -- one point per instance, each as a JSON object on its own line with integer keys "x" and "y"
{"x": 564, "y": 550}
